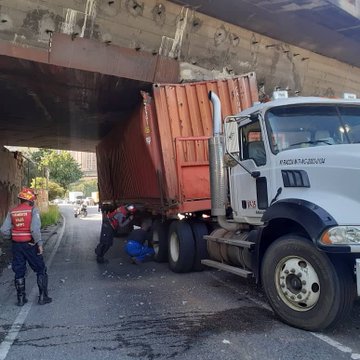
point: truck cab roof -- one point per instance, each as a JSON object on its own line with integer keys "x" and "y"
{"x": 262, "y": 107}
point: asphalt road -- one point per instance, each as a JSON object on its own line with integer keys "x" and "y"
{"x": 124, "y": 311}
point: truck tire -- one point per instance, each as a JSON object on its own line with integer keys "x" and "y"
{"x": 304, "y": 287}
{"x": 199, "y": 230}
{"x": 181, "y": 247}
{"x": 159, "y": 240}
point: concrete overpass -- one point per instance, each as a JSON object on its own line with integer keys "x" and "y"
{"x": 70, "y": 69}
{"x": 71, "y": 96}
{"x": 327, "y": 27}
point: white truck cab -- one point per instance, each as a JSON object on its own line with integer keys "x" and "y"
{"x": 293, "y": 169}
{"x": 304, "y": 148}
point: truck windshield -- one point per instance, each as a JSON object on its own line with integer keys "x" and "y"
{"x": 296, "y": 126}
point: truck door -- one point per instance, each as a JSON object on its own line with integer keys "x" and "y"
{"x": 249, "y": 194}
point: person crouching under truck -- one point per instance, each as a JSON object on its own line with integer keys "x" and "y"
{"x": 22, "y": 225}
{"x": 135, "y": 246}
{"x": 111, "y": 223}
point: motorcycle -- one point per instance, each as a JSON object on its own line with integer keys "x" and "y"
{"x": 80, "y": 211}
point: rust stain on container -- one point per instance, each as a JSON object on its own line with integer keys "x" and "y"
{"x": 159, "y": 156}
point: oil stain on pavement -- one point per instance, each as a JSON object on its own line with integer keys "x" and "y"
{"x": 150, "y": 337}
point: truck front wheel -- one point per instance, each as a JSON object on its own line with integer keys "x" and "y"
{"x": 304, "y": 287}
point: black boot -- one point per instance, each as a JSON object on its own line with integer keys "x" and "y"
{"x": 42, "y": 280}
{"x": 101, "y": 260}
{"x": 20, "y": 288}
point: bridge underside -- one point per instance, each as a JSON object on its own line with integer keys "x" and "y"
{"x": 70, "y": 97}
{"x": 327, "y": 27}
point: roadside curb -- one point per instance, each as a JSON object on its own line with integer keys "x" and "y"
{"x": 51, "y": 230}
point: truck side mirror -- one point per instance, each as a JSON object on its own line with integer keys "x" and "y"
{"x": 232, "y": 138}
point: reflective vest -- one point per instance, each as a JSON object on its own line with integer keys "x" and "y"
{"x": 21, "y": 222}
{"x": 114, "y": 222}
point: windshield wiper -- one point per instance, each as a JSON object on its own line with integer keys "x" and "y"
{"x": 314, "y": 142}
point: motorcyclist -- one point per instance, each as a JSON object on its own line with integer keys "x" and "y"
{"x": 81, "y": 209}
{"x": 111, "y": 223}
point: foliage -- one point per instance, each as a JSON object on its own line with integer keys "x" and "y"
{"x": 50, "y": 217}
{"x": 38, "y": 183}
{"x": 54, "y": 189}
{"x": 63, "y": 168}
{"x": 31, "y": 168}
{"x": 37, "y": 155}
{"x": 86, "y": 186}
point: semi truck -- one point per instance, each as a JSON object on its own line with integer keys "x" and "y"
{"x": 273, "y": 197}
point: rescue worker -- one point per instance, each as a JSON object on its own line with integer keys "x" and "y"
{"x": 111, "y": 223}
{"x": 135, "y": 246}
{"x": 22, "y": 225}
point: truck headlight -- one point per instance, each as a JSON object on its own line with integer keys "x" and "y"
{"x": 341, "y": 235}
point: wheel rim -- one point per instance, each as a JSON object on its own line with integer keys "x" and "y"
{"x": 155, "y": 242}
{"x": 297, "y": 283}
{"x": 174, "y": 247}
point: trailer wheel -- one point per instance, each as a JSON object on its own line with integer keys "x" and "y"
{"x": 199, "y": 230}
{"x": 159, "y": 240}
{"x": 181, "y": 247}
{"x": 304, "y": 287}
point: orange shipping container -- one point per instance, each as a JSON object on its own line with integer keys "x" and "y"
{"x": 158, "y": 157}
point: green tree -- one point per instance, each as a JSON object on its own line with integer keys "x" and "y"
{"x": 36, "y": 155}
{"x": 86, "y": 186}
{"x": 63, "y": 168}
{"x": 38, "y": 183}
{"x": 54, "y": 189}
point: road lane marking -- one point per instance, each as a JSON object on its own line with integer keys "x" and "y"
{"x": 6, "y": 344}
{"x": 324, "y": 338}
{"x": 337, "y": 345}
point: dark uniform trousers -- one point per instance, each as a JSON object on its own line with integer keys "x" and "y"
{"x": 106, "y": 238}
{"x": 25, "y": 252}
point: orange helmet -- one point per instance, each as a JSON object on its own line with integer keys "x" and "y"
{"x": 27, "y": 194}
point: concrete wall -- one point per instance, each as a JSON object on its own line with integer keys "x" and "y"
{"x": 206, "y": 46}
{"x": 10, "y": 180}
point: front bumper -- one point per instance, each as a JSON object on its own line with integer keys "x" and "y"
{"x": 357, "y": 274}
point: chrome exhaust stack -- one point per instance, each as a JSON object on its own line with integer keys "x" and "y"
{"x": 218, "y": 171}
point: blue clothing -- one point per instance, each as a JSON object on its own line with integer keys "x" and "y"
{"x": 139, "y": 235}
{"x": 26, "y": 252}
{"x": 35, "y": 227}
{"x": 137, "y": 250}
